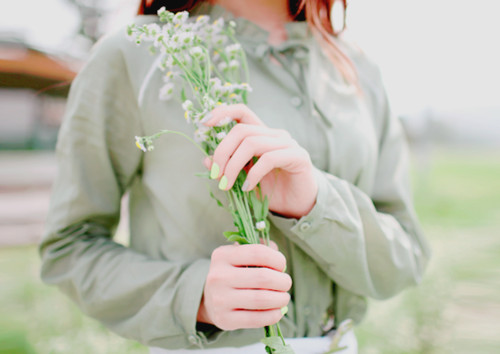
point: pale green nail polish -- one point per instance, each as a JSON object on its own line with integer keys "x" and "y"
{"x": 284, "y": 270}
{"x": 214, "y": 172}
{"x": 223, "y": 183}
{"x": 284, "y": 310}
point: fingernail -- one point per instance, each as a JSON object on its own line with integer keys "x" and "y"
{"x": 223, "y": 183}
{"x": 244, "y": 188}
{"x": 284, "y": 310}
{"x": 284, "y": 270}
{"x": 214, "y": 172}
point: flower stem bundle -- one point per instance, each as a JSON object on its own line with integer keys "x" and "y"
{"x": 212, "y": 67}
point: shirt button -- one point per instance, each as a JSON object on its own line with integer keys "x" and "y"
{"x": 192, "y": 339}
{"x": 305, "y": 226}
{"x": 296, "y": 101}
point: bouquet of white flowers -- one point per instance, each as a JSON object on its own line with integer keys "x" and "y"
{"x": 213, "y": 68}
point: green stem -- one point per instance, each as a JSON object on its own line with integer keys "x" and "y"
{"x": 279, "y": 333}
{"x": 161, "y": 132}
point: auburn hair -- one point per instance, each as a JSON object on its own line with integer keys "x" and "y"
{"x": 317, "y": 13}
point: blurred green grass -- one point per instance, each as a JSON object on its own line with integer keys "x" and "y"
{"x": 455, "y": 309}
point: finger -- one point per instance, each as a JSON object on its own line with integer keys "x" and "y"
{"x": 250, "y": 147}
{"x": 286, "y": 159}
{"x": 234, "y": 138}
{"x": 261, "y": 278}
{"x": 272, "y": 244}
{"x": 258, "y": 300}
{"x": 231, "y": 142}
{"x": 207, "y": 162}
{"x": 237, "y": 112}
{"x": 257, "y": 256}
{"x": 252, "y": 319}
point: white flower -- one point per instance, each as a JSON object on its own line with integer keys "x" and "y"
{"x": 139, "y": 142}
{"x": 244, "y": 86}
{"x": 187, "y": 105}
{"x": 261, "y": 225}
{"x": 166, "y": 91}
{"x": 186, "y": 38}
{"x": 180, "y": 17}
{"x": 234, "y": 64}
{"x": 233, "y": 49}
{"x": 196, "y": 52}
{"x": 216, "y": 86}
{"x": 201, "y": 21}
{"x": 224, "y": 121}
{"x": 219, "y": 40}
{"x": 153, "y": 29}
{"x": 201, "y": 134}
{"x": 221, "y": 135}
{"x": 222, "y": 66}
{"x": 218, "y": 25}
{"x": 208, "y": 102}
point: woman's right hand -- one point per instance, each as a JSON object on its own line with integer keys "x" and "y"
{"x": 246, "y": 287}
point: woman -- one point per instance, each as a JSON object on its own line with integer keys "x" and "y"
{"x": 342, "y": 217}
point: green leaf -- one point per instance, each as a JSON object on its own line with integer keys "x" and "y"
{"x": 183, "y": 95}
{"x": 265, "y": 208}
{"x": 273, "y": 342}
{"x": 233, "y": 236}
{"x": 203, "y": 175}
{"x": 219, "y": 203}
{"x": 276, "y": 344}
{"x": 343, "y": 328}
{"x": 256, "y": 205}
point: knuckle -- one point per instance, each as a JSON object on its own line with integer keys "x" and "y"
{"x": 284, "y": 134}
{"x": 214, "y": 277}
{"x": 238, "y": 129}
{"x": 219, "y": 253}
{"x": 240, "y": 106}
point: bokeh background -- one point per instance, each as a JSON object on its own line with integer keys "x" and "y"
{"x": 440, "y": 60}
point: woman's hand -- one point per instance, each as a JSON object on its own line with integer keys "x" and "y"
{"x": 246, "y": 287}
{"x": 284, "y": 169}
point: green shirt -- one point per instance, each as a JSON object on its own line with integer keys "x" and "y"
{"x": 360, "y": 240}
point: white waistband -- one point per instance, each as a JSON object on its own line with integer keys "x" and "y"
{"x": 312, "y": 345}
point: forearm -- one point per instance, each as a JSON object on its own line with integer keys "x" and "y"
{"x": 151, "y": 301}
{"x": 365, "y": 251}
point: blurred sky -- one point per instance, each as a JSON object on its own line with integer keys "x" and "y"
{"x": 439, "y": 54}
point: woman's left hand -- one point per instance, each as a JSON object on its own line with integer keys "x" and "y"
{"x": 284, "y": 168}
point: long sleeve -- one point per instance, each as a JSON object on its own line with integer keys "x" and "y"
{"x": 153, "y": 301}
{"x": 368, "y": 243}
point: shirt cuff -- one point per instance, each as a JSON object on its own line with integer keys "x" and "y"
{"x": 308, "y": 224}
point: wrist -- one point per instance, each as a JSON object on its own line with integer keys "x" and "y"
{"x": 202, "y": 315}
